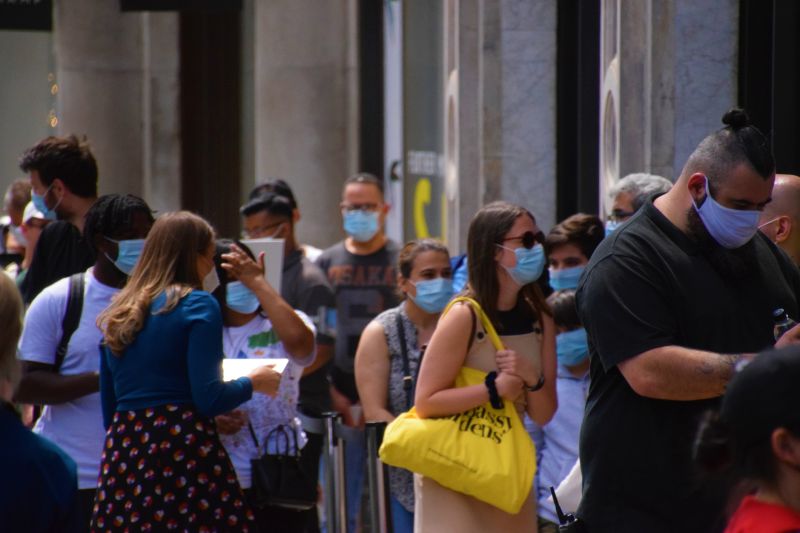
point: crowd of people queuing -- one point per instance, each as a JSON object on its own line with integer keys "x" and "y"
{"x": 630, "y": 351}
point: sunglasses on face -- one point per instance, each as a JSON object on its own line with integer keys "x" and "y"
{"x": 528, "y": 239}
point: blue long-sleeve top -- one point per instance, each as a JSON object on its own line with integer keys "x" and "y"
{"x": 175, "y": 359}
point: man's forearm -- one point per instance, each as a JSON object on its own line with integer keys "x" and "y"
{"x": 683, "y": 374}
{"x": 49, "y": 388}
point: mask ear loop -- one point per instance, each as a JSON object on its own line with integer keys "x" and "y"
{"x": 769, "y": 222}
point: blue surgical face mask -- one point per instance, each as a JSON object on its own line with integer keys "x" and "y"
{"x": 572, "y": 347}
{"x": 731, "y": 228}
{"x": 611, "y": 226}
{"x": 433, "y": 294}
{"x": 361, "y": 225}
{"x": 128, "y": 252}
{"x": 566, "y": 278}
{"x": 530, "y": 264}
{"x": 41, "y": 206}
{"x": 240, "y": 298}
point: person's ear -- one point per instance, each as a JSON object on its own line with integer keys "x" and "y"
{"x": 783, "y": 229}
{"x": 103, "y": 245}
{"x": 785, "y": 447}
{"x": 697, "y": 186}
{"x": 295, "y": 215}
{"x": 403, "y": 284}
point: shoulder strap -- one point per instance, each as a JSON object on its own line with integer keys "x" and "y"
{"x": 72, "y": 316}
{"x": 485, "y": 322}
{"x": 408, "y": 380}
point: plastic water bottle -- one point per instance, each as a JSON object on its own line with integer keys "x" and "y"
{"x": 782, "y": 322}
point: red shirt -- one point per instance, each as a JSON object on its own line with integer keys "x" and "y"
{"x": 755, "y": 516}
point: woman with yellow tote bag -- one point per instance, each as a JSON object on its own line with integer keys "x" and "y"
{"x": 506, "y": 257}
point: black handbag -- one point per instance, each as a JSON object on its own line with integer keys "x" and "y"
{"x": 280, "y": 479}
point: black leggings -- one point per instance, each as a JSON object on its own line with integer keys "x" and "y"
{"x": 85, "y": 504}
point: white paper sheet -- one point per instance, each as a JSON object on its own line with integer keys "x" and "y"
{"x": 273, "y": 258}
{"x": 236, "y": 368}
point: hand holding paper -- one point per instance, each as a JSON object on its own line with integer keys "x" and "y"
{"x": 264, "y": 373}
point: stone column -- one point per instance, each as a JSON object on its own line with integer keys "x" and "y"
{"x": 306, "y": 107}
{"x": 678, "y": 76}
{"x": 528, "y": 54}
{"x": 161, "y": 135}
{"x": 118, "y": 79}
{"x": 507, "y": 107}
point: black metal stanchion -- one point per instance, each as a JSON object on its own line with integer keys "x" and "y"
{"x": 379, "y": 513}
{"x": 335, "y": 497}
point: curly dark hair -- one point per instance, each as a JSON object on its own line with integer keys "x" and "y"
{"x": 66, "y": 158}
{"x": 112, "y": 213}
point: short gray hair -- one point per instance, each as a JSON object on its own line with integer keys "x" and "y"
{"x": 640, "y": 186}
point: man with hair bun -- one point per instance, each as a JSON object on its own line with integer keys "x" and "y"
{"x": 673, "y": 302}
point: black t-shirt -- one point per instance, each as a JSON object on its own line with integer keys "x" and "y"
{"x": 60, "y": 252}
{"x": 306, "y": 288}
{"x": 648, "y": 286}
{"x": 364, "y": 286}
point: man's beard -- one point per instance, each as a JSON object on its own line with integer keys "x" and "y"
{"x": 734, "y": 266}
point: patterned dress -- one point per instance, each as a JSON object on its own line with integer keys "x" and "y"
{"x": 401, "y": 482}
{"x": 163, "y": 469}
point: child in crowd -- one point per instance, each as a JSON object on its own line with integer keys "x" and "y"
{"x": 756, "y": 436}
{"x": 557, "y": 441}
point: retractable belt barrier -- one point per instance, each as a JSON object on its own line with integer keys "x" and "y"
{"x": 334, "y": 436}
{"x": 335, "y": 491}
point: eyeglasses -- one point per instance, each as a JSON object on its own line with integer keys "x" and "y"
{"x": 528, "y": 239}
{"x": 263, "y": 231}
{"x": 359, "y": 207}
{"x": 620, "y": 216}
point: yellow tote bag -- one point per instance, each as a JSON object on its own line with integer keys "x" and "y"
{"x": 483, "y": 452}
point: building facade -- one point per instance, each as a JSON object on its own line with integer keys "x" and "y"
{"x": 454, "y": 103}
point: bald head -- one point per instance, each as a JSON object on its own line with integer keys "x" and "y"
{"x": 785, "y": 197}
{"x": 780, "y": 220}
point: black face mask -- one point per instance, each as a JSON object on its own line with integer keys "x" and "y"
{"x": 734, "y": 266}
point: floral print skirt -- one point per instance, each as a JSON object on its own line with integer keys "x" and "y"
{"x": 163, "y": 469}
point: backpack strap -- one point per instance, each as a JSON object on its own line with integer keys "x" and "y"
{"x": 72, "y": 316}
{"x": 408, "y": 379}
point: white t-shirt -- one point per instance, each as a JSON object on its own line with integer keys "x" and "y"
{"x": 257, "y": 340}
{"x": 76, "y": 426}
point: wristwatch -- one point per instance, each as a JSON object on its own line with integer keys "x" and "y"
{"x": 533, "y": 388}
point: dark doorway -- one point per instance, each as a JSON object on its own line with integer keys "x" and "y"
{"x": 210, "y": 53}
{"x": 370, "y": 85}
{"x": 577, "y": 107}
{"x": 769, "y": 74}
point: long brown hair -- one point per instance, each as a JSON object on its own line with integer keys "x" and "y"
{"x": 168, "y": 264}
{"x": 11, "y": 320}
{"x": 488, "y": 228}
